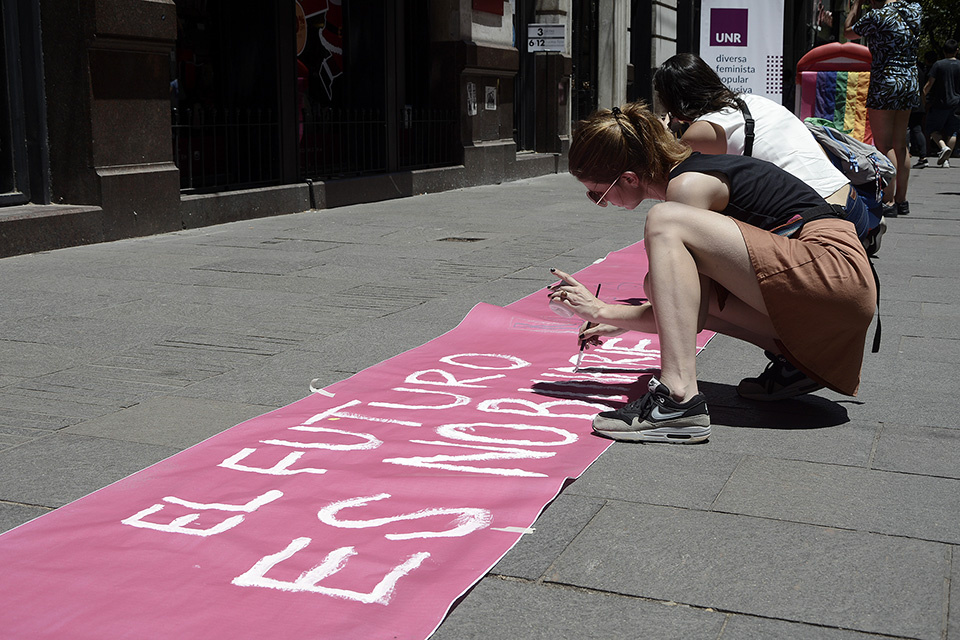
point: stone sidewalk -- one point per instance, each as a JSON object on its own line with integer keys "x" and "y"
{"x": 822, "y": 517}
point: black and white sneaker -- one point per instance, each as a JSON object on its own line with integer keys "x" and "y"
{"x": 872, "y": 242}
{"x": 780, "y": 380}
{"x": 657, "y": 417}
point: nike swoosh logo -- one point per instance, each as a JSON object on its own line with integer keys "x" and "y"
{"x": 659, "y": 414}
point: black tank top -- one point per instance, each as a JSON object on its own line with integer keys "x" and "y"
{"x": 761, "y": 194}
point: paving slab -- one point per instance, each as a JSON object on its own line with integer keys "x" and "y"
{"x": 896, "y": 504}
{"x": 13, "y": 515}
{"x": 90, "y": 334}
{"x": 848, "y": 579}
{"x": 498, "y": 609}
{"x": 276, "y": 243}
{"x": 739, "y": 627}
{"x": 953, "y": 619}
{"x": 170, "y": 421}
{"x": 15, "y": 436}
{"x": 921, "y": 450}
{"x": 681, "y": 476}
{"x": 923, "y": 406}
{"x": 9, "y": 380}
{"x": 941, "y": 309}
{"x": 275, "y": 382}
{"x": 27, "y": 359}
{"x": 60, "y": 468}
{"x": 903, "y": 370}
{"x": 21, "y": 406}
{"x": 556, "y": 527}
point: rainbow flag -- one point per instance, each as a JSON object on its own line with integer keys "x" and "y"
{"x": 841, "y": 97}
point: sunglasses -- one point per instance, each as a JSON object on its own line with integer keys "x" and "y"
{"x": 600, "y": 200}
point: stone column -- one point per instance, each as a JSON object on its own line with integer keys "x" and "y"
{"x": 613, "y": 49}
{"x": 107, "y": 76}
{"x": 553, "y": 82}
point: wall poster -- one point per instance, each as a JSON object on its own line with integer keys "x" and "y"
{"x": 743, "y": 41}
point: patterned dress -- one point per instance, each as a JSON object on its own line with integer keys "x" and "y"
{"x": 892, "y": 32}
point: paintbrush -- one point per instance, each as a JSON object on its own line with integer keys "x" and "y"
{"x": 583, "y": 343}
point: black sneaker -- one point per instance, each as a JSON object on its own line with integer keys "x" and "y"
{"x": 921, "y": 163}
{"x": 656, "y": 417}
{"x": 872, "y": 242}
{"x": 780, "y": 380}
{"x": 903, "y": 208}
{"x": 888, "y": 210}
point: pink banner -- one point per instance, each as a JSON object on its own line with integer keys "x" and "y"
{"x": 362, "y": 511}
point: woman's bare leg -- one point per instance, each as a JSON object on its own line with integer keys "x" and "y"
{"x": 889, "y": 137}
{"x": 683, "y": 243}
{"x": 740, "y": 320}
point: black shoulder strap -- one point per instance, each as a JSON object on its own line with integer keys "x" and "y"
{"x": 877, "y": 331}
{"x": 748, "y": 127}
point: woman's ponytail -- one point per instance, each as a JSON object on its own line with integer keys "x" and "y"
{"x": 630, "y": 138}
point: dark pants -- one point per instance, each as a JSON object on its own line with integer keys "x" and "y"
{"x": 918, "y": 137}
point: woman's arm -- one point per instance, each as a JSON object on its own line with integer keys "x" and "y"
{"x": 852, "y": 15}
{"x": 705, "y": 137}
{"x": 610, "y": 319}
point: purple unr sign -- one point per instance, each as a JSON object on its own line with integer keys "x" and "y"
{"x": 728, "y": 27}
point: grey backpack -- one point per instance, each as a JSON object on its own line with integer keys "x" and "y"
{"x": 862, "y": 163}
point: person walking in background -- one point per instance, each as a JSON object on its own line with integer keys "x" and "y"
{"x": 891, "y": 28}
{"x": 691, "y": 91}
{"x": 918, "y": 117}
{"x": 942, "y": 92}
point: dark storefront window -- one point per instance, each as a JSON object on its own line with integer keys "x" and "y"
{"x": 23, "y": 154}
{"x": 585, "y": 61}
{"x": 524, "y": 107}
{"x": 427, "y": 130}
{"x": 225, "y": 98}
{"x": 340, "y": 88}
{"x": 361, "y": 96}
{"x": 11, "y": 142}
{"x": 365, "y": 100}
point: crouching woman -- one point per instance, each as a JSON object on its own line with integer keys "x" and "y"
{"x": 737, "y": 246}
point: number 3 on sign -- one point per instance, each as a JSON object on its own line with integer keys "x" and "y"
{"x": 538, "y": 41}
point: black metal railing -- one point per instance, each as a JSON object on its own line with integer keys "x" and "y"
{"x": 348, "y": 142}
{"x": 426, "y": 138}
{"x": 217, "y": 148}
{"x": 338, "y": 142}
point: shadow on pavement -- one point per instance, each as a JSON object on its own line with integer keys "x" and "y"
{"x": 726, "y": 407}
{"x": 803, "y": 412}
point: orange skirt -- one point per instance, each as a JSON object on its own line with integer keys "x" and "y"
{"x": 821, "y": 296}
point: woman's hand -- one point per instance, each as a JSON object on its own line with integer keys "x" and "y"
{"x": 590, "y": 333}
{"x": 575, "y": 297}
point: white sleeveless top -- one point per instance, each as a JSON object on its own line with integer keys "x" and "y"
{"x": 782, "y": 139}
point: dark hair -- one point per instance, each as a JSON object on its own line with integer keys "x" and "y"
{"x": 630, "y": 138}
{"x": 689, "y": 88}
{"x": 950, "y": 47}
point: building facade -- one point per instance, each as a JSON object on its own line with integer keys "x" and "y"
{"x": 124, "y": 118}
